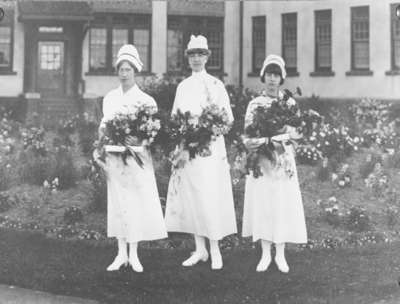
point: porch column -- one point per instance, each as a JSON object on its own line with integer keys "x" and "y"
{"x": 159, "y": 37}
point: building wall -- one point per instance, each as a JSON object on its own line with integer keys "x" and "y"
{"x": 378, "y": 85}
{"x": 231, "y": 42}
{"x": 12, "y": 85}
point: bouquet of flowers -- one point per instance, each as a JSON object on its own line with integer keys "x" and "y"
{"x": 142, "y": 125}
{"x": 271, "y": 122}
{"x": 191, "y": 135}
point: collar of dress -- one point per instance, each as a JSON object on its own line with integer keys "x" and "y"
{"x": 133, "y": 89}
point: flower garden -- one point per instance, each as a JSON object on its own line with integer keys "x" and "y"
{"x": 348, "y": 168}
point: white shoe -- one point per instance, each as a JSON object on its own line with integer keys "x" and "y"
{"x": 216, "y": 261}
{"x": 282, "y": 264}
{"x": 135, "y": 263}
{"x": 195, "y": 258}
{"x": 263, "y": 264}
{"x": 117, "y": 263}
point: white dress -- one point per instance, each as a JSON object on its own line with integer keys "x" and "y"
{"x": 133, "y": 205}
{"x": 200, "y": 199}
{"x": 273, "y": 208}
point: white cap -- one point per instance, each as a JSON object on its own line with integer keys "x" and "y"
{"x": 197, "y": 42}
{"x": 129, "y": 53}
{"x": 278, "y": 60}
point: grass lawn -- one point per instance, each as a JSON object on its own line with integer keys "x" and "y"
{"x": 347, "y": 275}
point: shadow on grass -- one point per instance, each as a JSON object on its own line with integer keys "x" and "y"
{"x": 77, "y": 268}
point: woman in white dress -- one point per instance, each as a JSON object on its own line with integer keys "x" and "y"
{"x": 200, "y": 199}
{"x": 273, "y": 208}
{"x": 133, "y": 207}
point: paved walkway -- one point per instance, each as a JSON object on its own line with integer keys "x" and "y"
{"x": 16, "y": 295}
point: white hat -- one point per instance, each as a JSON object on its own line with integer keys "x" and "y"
{"x": 129, "y": 53}
{"x": 197, "y": 43}
{"x": 275, "y": 59}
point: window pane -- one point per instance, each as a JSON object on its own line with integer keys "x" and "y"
{"x": 323, "y": 39}
{"x": 360, "y": 37}
{"x": 259, "y": 24}
{"x": 395, "y": 38}
{"x": 119, "y": 38}
{"x": 98, "y": 48}
{"x": 174, "y": 52}
{"x": 289, "y": 40}
{"x": 214, "y": 40}
{"x": 141, "y": 39}
{"x": 5, "y": 46}
{"x": 361, "y": 55}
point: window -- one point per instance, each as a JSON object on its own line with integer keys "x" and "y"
{"x": 323, "y": 41}
{"x": 395, "y": 24}
{"x": 360, "y": 38}
{"x": 179, "y": 31}
{"x": 259, "y": 23}
{"x": 109, "y": 33}
{"x": 6, "y": 41}
{"x": 289, "y": 42}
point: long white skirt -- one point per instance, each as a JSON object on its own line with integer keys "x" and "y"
{"x": 200, "y": 199}
{"x": 133, "y": 208}
{"x": 273, "y": 207}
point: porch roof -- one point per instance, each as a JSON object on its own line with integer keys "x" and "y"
{"x": 54, "y": 10}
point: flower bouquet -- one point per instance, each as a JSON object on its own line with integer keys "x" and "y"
{"x": 273, "y": 123}
{"x": 141, "y": 125}
{"x": 191, "y": 135}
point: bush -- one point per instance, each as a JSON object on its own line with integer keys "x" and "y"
{"x": 73, "y": 215}
{"x": 34, "y": 169}
{"x": 357, "y": 219}
{"x": 98, "y": 190}
{"x": 6, "y": 202}
{"x": 87, "y": 129}
{"x": 64, "y": 169}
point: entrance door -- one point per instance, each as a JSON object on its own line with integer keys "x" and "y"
{"x": 51, "y": 72}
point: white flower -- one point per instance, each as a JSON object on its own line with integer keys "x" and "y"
{"x": 332, "y": 199}
{"x": 341, "y": 183}
{"x": 46, "y": 184}
{"x": 334, "y": 176}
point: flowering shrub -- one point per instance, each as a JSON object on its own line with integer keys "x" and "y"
{"x": 330, "y": 211}
{"x": 357, "y": 219}
{"x": 368, "y": 165}
{"x": 63, "y": 174}
{"x": 73, "y": 215}
{"x": 98, "y": 192}
{"x": 33, "y": 139}
{"x": 343, "y": 177}
{"x": 368, "y": 113}
{"x": 392, "y": 215}
{"x": 34, "y": 168}
{"x": 331, "y": 140}
{"x": 308, "y": 154}
{"x": 377, "y": 180}
{"x": 6, "y": 202}
{"x": 52, "y": 186}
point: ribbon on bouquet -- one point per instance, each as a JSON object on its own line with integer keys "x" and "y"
{"x": 126, "y": 151}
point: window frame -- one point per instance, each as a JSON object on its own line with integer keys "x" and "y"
{"x": 110, "y": 23}
{"x": 291, "y": 71}
{"x": 262, "y": 19}
{"x": 393, "y": 19}
{"x": 352, "y": 41}
{"x": 317, "y": 22}
{"x": 8, "y": 22}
